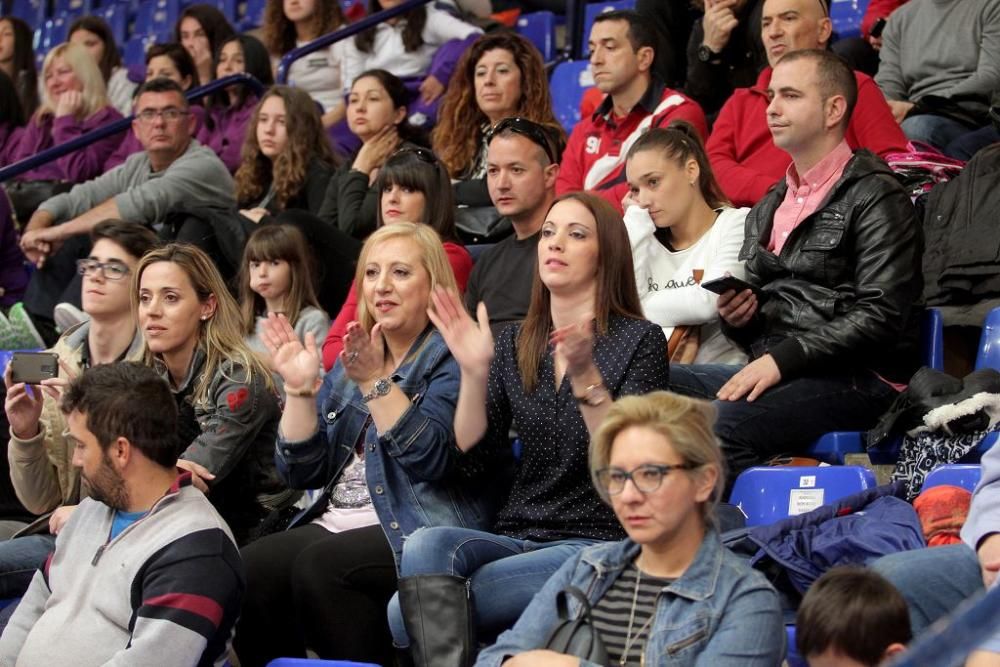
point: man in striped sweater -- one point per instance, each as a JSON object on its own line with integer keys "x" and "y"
{"x": 145, "y": 572}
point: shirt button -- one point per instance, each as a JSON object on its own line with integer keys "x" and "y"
{"x": 800, "y": 200}
{"x": 394, "y": 525}
{"x": 378, "y": 489}
{"x": 288, "y": 452}
{"x": 371, "y": 447}
{"x": 330, "y": 416}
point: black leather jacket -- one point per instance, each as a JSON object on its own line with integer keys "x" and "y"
{"x": 844, "y": 292}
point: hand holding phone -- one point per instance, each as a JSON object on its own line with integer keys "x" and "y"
{"x": 33, "y": 367}
{"x": 726, "y": 283}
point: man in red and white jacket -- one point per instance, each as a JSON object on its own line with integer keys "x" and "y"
{"x": 622, "y": 51}
{"x": 743, "y": 156}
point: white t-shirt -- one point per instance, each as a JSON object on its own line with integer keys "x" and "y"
{"x": 665, "y": 279}
{"x": 388, "y": 52}
{"x": 319, "y": 74}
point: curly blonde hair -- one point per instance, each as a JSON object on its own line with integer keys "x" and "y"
{"x": 279, "y": 33}
{"x": 453, "y": 140}
{"x": 307, "y": 141}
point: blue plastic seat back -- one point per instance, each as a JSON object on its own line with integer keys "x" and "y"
{"x": 134, "y": 53}
{"x": 71, "y": 9}
{"x": 31, "y": 12}
{"x": 569, "y": 80}
{"x": 989, "y": 342}
{"x": 846, "y": 17}
{"x": 767, "y": 495}
{"x": 590, "y": 12}
{"x": 165, "y": 14}
{"x": 50, "y": 34}
{"x": 254, "y": 14}
{"x": 540, "y": 29}
{"x": 116, "y": 15}
{"x": 964, "y": 475}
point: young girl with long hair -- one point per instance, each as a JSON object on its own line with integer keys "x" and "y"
{"x": 277, "y": 277}
{"x": 413, "y": 187}
{"x": 683, "y": 232}
{"x": 17, "y": 60}
{"x": 292, "y": 23}
{"x": 74, "y": 102}
{"x": 552, "y": 378}
{"x": 201, "y": 30}
{"x": 94, "y": 34}
{"x": 229, "y": 410}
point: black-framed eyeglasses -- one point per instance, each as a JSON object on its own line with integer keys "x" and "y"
{"x": 110, "y": 270}
{"x": 647, "y": 477}
{"x": 538, "y": 134}
{"x": 170, "y": 114}
{"x": 423, "y": 154}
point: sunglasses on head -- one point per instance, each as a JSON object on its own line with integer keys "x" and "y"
{"x": 526, "y": 128}
{"x": 422, "y": 154}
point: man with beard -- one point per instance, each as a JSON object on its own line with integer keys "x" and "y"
{"x": 145, "y": 571}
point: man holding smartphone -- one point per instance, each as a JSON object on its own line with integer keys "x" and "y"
{"x": 835, "y": 247}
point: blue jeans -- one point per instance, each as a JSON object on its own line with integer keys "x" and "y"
{"x": 20, "y": 558}
{"x": 934, "y": 580}
{"x": 938, "y": 131}
{"x": 505, "y": 572}
{"x": 786, "y": 418}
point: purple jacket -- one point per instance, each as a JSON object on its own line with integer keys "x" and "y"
{"x": 130, "y": 143}
{"x": 13, "y": 272}
{"x": 77, "y": 167}
{"x": 226, "y": 139}
{"x": 10, "y": 137}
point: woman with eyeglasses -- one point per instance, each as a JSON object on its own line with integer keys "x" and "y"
{"x": 670, "y": 589}
{"x": 413, "y": 187}
{"x": 551, "y": 379}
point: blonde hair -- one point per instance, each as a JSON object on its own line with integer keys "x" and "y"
{"x": 432, "y": 258}
{"x": 221, "y": 335}
{"x": 95, "y": 92}
{"x": 686, "y": 423}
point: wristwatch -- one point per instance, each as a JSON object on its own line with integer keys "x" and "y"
{"x": 707, "y": 55}
{"x": 381, "y": 388}
{"x": 592, "y": 395}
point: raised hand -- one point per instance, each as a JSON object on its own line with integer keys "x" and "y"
{"x": 431, "y": 89}
{"x": 471, "y": 345}
{"x": 574, "y": 345}
{"x": 718, "y": 23}
{"x": 363, "y": 355}
{"x": 297, "y": 364}
{"x": 24, "y": 408}
{"x": 377, "y": 150}
{"x": 69, "y": 103}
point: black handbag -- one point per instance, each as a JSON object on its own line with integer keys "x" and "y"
{"x": 576, "y": 636}
{"x": 27, "y": 196}
{"x": 481, "y": 224}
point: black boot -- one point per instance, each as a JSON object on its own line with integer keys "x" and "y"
{"x": 437, "y": 612}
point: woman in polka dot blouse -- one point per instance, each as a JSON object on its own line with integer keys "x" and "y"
{"x": 552, "y": 378}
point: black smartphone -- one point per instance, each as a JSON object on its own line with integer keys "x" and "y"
{"x": 33, "y": 367}
{"x": 726, "y": 283}
{"x": 878, "y": 27}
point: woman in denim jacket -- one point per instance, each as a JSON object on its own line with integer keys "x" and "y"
{"x": 670, "y": 594}
{"x": 379, "y": 443}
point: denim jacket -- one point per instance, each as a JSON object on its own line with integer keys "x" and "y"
{"x": 719, "y": 612}
{"x": 416, "y": 474}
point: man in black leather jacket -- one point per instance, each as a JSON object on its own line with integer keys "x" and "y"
{"x": 832, "y": 324}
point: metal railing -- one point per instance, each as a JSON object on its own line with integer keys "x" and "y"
{"x": 343, "y": 33}
{"x": 56, "y": 152}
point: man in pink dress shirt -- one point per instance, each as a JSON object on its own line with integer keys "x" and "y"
{"x": 833, "y": 252}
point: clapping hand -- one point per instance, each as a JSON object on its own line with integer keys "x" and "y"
{"x": 574, "y": 345}
{"x": 297, "y": 364}
{"x": 363, "y": 355}
{"x": 471, "y": 345}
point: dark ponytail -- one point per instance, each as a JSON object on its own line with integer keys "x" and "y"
{"x": 680, "y": 142}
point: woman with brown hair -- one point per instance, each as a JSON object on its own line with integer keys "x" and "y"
{"x": 552, "y": 378}
{"x": 292, "y": 23}
{"x": 94, "y": 34}
{"x": 17, "y": 60}
{"x": 201, "y": 30}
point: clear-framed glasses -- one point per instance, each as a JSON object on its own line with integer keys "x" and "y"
{"x": 170, "y": 115}
{"x": 647, "y": 477}
{"x": 110, "y": 270}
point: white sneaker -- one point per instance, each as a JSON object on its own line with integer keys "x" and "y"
{"x": 67, "y": 315}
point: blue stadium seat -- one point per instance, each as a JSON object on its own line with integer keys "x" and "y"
{"x": 116, "y": 15}
{"x": 792, "y": 657}
{"x": 590, "y": 13}
{"x": 846, "y": 17}
{"x": 227, "y": 7}
{"x": 540, "y": 29}
{"x": 767, "y": 495}
{"x": 569, "y": 80}
{"x": 254, "y": 16}
{"x": 71, "y": 9}
{"x": 832, "y": 447}
{"x": 311, "y": 662}
{"x": 31, "y": 12}
{"x": 965, "y": 475}
{"x": 50, "y": 34}
{"x": 134, "y": 53}
{"x": 155, "y": 17}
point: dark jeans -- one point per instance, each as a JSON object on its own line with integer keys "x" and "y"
{"x": 309, "y": 588}
{"x": 20, "y": 558}
{"x": 786, "y": 418}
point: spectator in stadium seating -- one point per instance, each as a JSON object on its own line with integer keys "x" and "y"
{"x": 228, "y": 406}
{"x": 621, "y": 58}
{"x": 376, "y": 114}
{"x": 724, "y": 51}
{"x": 683, "y": 233}
{"x": 745, "y": 159}
{"x": 522, "y": 164}
{"x": 552, "y": 378}
{"x": 686, "y": 589}
{"x": 292, "y": 23}
{"x": 40, "y": 454}
{"x": 421, "y": 48}
{"x": 17, "y": 60}
{"x": 939, "y": 84}
{"x": 167, "y": 61}
{"x": 414, "y": 187}
{"x": 833, "y": 252}
{"x": 501, "y": 75}
{"x": 230, "y": 110}
{"x": 378, "y": 441}
{"x": 94, "y": 34}
{"x": 171, "y": 171}
{"x": 851, "y": 617}
{"x": 12, "y": 118}
{"x": 202, "y": 30}
{"x": 74, "y": 101}
{"x": 146, "y": 572}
